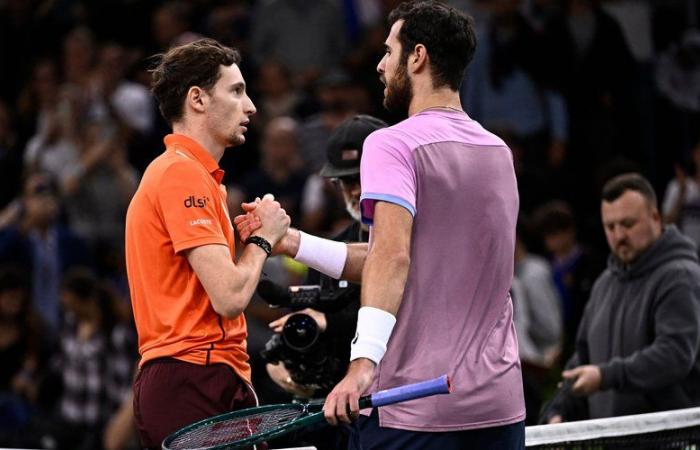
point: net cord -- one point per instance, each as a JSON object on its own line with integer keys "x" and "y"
{"x": 611, "y": 427}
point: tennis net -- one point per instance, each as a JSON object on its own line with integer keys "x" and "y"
{"x": 666, "y": 430}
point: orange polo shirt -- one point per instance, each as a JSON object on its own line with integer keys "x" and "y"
{"x": 180, "y": 204}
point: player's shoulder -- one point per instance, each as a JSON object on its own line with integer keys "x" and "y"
{"x": 394, "y": 136}
{"x": 172, "y": 169}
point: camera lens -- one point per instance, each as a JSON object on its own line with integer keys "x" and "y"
{"x": 300, "y": 333}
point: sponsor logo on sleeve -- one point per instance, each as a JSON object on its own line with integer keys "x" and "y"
{"x": 196, "y": 202}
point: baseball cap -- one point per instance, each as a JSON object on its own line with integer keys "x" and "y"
{"x": 344, "y": 148}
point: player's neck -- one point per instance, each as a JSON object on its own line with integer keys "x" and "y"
{"x": 202, "y": 137}
{"x": 443, "y": 98}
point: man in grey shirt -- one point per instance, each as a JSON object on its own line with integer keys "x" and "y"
{"x": 637, "y": 348}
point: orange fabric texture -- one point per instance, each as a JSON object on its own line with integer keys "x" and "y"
{"x": 180, "y": 204}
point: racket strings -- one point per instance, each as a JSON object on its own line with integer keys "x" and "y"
{"x": 234, "y": 429}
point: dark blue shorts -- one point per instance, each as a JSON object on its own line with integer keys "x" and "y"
{"x": 368, "y": 435}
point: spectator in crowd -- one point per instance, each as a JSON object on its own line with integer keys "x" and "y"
{"x": 102, "y": 172}
{"x": 32, "y": 237}
{"x": 307, "y": 37}
{"x": 535, "y": 183}
{"x": 37, "y": 100}
{"x": 589, "y": 61}
{"x": 95, "y": 362}
{"x": 638, "y": 345}
{"x": 56, "y": 146}
{"x": 541, "y": 306}
{"x": 114, "y": 100}
{"x": 281, "y": 171}
{"x": 10, "y": 157}
{"x": 120, "y": 433}
{"x": 169, "y": 22}
{"x": 681, "y": 205}
{"x": 79, "y": 49}
{"x": 229, "y": 23}
{"x": 334, "y": 92}
{"x": 574, "y": 265}
{"x": 677, "y": 115}
{"x": 22, "y": 349}
{"x": 505, "y": 89}
{"x": 361, "y": 64}
{"x": 277, "y": 94}
{"x": 538, "y": 322}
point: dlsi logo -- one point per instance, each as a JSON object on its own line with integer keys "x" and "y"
{"x": 196, "y": 202}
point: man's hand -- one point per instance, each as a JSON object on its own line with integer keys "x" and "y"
{"x": 346, "y": 394}
{"x": 586, "y": 379}
{"x": 555, "y": 419}
{"x": 246, "y": 224}
{"x": 280, "y": 375}
{"x": 319, "y": 317}
{"x": 273, "y": 220}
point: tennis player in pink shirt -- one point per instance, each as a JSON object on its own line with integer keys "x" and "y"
{"x": 441, "y": 196}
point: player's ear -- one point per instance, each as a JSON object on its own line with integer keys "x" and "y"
{"x": 418, "y": 58}
{"x": 197, "y": 99}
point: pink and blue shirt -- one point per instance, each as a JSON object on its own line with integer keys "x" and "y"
{"x": 456, "y": 315}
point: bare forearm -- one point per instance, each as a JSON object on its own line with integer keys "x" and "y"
{"x": 229, "y": 286}
{"x": 383, "y": 280}
{"x": 355, "y": 263}
{"x": 247, "y": 276}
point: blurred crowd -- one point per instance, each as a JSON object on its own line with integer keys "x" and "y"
{"x": 580, "y": 90}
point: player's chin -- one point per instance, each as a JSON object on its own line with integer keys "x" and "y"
{"x": 237, "y": 139}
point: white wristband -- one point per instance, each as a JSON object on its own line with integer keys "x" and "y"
{"x": 374, "y": 328}
{"x": 324, "y": 255}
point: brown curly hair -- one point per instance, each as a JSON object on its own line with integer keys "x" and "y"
{"x": 180, "y": 68}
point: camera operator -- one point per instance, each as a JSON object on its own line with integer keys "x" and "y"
{"x": 336, "y": 319}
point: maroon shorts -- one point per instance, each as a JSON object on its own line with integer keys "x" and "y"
{"x": 169, "y": 394}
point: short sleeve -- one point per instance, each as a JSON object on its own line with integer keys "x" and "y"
{"x": 387, "y": 173}
{"x": 189, "y": 208}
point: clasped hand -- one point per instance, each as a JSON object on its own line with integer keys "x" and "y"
{"x": 263, "y": 217}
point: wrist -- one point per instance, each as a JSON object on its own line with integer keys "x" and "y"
{"x": 260, "y": 233}
{"x": 290, "y": 242}
{"x": 362, "y": 364}
{"x": 374, "y": 327}
{"x": 324, "y": 255}
{"x": 260, "y": 242}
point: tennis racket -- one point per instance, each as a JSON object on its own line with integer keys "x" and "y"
{"x": 250, "y": 426}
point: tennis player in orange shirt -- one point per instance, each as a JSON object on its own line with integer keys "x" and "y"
{"x": 188, "y": 293}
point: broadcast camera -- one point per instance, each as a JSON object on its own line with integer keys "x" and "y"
{"x": 313, "y": 358}
{"x": 330, "y": 295}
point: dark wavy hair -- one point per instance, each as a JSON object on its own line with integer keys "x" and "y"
{"x": 632, "y": 181}
{"x": 446, "y": 33}
{"x": 180, "y": 68}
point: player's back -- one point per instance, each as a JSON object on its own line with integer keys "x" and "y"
{"x": 456, "y": 314}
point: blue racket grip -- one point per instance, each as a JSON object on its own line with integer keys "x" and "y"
{"x": 439, "y": 385}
